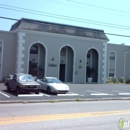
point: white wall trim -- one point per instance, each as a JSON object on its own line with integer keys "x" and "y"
{"x": 39, "y": 51}
{"x": 20, "y": 52}
{"x": 109, "y": 62}
{"x": 2, "y": 51}
{"x": 66, "y": 72}
{"x": 125, "y": 60}
{"x": 46, "y": 53}
{"x": 74, "y": 58}
{"x": 98, "y": 63}
{"x": 104, "y": 62}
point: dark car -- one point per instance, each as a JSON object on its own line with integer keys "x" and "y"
{"x": 22, "y": 83}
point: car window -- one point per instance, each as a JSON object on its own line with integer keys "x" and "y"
{"x": 26, "y": 78}
{"x": 53, "y": 81}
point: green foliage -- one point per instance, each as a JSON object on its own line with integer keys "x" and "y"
{"x": 115, "y": 80}
{"x": 24, "y": 102}
{"x": 78, "y": 99}
{"x": 54, "y": 101}
{"x": 112, "y": 80}
{"x": 128, "y": 81}
{"x": 122, "y": 80}
{"x": 109, "y": 80}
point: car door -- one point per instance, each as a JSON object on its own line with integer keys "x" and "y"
{"x": 44, "y": 84}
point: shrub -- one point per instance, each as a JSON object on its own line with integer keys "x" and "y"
{"x": 109, "y": 80}
{"x": 128, "y": 81}
{"x": 115, "y": 80}
{"x": 122, "y": 80}
{"x": 112, "y": 80}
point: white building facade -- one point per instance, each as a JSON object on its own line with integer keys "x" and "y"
{"x": 49, "y": 49}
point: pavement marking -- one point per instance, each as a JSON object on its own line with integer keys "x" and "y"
{"x": 76, "y": 93}
{"x": 30, "y": 95}
{"x": 4, "y": 94}
{"x": 99, "y": 94}
{"x": 95, "y": 93}
{"x": 46, "y": 95}
{"x": 68, "y": 94}
{"x": 123, "y": 93}
{"x": 41, "y": 118}
{"x": 116, "y": 91}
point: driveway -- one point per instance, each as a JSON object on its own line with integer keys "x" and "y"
{"x": 77, "y": 91}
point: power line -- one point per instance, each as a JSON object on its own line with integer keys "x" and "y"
{"x": 98, "y": 7}
{"x": 9, "y": 18}
{"x": 64, "y": 17}
{"x": 87, "y": 29}
{"x": 83, "y": 7}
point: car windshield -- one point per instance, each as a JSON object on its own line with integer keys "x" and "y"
{"x": 53, "y": 80}
{"x": 26, "y": 78}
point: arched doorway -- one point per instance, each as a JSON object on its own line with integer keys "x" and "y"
{"x": 37, "y": 60}
{"x": 92, "y": 65}
{"x": 66, "y": 64}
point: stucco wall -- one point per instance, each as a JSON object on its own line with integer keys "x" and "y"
{"x": 122, "y": 60}
{"x": 53, "y": 44}
{"x": 9, "y": 40}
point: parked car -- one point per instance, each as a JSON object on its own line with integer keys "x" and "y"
{"x": 22, "y": 83}
{"x": 53, "y": 85}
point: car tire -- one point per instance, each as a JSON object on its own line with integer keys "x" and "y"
{"x": 36, "y": 92}
{"x": 17, "y": 91}
{"x": 48, "y": 90}
{"x": 8, "y": 88}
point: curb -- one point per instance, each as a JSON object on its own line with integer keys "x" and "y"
{"x": 61, "y": 100}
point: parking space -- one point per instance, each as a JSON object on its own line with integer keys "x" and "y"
{"x": 43, "y": 95}
{"x": 4, "y": 94}
{"x": 76, "y": 91}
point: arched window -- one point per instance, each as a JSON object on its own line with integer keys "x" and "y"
{"x": 112, "y": 56}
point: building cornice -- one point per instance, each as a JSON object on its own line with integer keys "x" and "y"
{"x": 60, "y": 35}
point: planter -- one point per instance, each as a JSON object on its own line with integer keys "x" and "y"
{"x": 90, "y": 79}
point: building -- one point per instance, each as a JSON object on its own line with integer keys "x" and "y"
{"x": 63, "y": 51}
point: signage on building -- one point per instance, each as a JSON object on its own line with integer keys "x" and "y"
{"x": 52, "y": 65}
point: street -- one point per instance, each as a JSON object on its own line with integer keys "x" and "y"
{"x": 102, "y": 115}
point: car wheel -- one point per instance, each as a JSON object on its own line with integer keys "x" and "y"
{"x": 8, "y": 88}
{"x": 36, "y": 92}
{"x": 48, "y": 90}
{"x": 17, "y": 91}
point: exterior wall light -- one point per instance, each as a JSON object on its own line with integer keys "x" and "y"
{"x": 53, "y": 59}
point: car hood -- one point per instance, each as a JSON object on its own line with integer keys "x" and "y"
{"x": 59, "y": 86}
{"x": 29, "y": 83}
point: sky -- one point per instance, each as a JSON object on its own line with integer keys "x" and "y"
{"x": 114, "y": 14}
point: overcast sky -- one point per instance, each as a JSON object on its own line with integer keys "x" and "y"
{"x": 114, "y": 14}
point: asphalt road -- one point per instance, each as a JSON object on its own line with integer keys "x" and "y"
{"x": 102, "y": 115}
{"x": 77, "y": 91}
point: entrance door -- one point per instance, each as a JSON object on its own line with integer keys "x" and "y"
{"x": 66, "y": 64}
{"x": 62, "y": 72}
